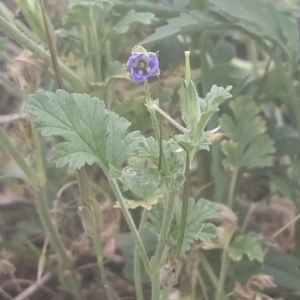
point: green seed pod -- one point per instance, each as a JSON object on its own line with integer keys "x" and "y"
{"x": 190, "y": 104}
{"x": 190, "y": 109}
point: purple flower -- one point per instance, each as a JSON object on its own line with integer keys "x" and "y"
{"x": 142, "y": 65}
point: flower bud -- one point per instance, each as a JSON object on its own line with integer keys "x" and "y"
{"x": 189, "y": 104}
{"x": 139, "y": 48}
{"x": 189, "y": 100}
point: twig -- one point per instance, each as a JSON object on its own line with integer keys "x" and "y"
{"x": 30, "y": 282}
{"x": 32, "y": 289}
{"x": 294, "y": 220}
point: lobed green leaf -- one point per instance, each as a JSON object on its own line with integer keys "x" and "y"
{"x": 249, "y": 245}
{"x": 248, "y": 144}
{"x": 199, "y": 213}
{"x": 93, "y": 134}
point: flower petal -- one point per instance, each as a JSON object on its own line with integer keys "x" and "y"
{"x": 150, "y": 71}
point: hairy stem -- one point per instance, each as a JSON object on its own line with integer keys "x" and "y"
{"x": 154, "y": 121}
{"x": 138, "y": 242}
{"x": 52, "y": 48}
{"x": 95, "y": 48}
{"x": 136, "y": 261}
{"x": 27, "y": 43}
{"x": 160, "y": 248}
{"x": 163, "y": 233}
{"x": 99, "y": 254}
{"x": 184, "y": 210}
{"x": 10, "y": 17}
{"x": 171, "y": 120}
{"x": 39, "y": 156}
{"x": 232, "y": 187}
{"x": 155, "y": 286}
{"x": 223, "y": 272}
{"x": 152, "y": 113}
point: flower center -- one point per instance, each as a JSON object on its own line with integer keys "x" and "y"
{"x": 142, "y": 64}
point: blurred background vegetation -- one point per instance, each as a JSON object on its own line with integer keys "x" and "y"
{"x": 252, "y": 45}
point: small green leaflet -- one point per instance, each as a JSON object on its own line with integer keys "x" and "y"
{"x": 248, "y": 145}
{"x": 93, "y": 134}
{"x": 142, "y": 182}
{"x": 210, "y": 104}
{"x": 148, "y": 148}
{"x": 246, "y": 244}
{"x": 196, "y": 229}
{"x": 197, "y": 139}
{"x": 199, "y": 212}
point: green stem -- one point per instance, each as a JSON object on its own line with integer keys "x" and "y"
{"x": 54, "y": 237}
{"x": 248, "y": 215}
{"x": 16, "y": 155}
{"x": 27, "y": 43}
{"x": 138, "y": 242}
{"x": 95, "y": 48}
{"x": 224, "y": 260}
{"x": 223, "y": 272}
{"x": 154, "y": 121}
{"x": 52, "y": 48}
{"x": 109, "y": 93}
{"x": 171, "y": 120}
{"x": 159, "y": 253}
{"x": 232, "y": 187}
{"x": 152, "y": 113}
{"x": 163, "y": 233}
{"x": 155, "y": 286}
{"x": 136, "y": 261}
{"x": 165, "y": 293}
{"x": 10, "y": 17}
{"x": 99, "y": 254}
{"x": 184, "y": 210}
{"x": 210, "y": 272}
{"x": 39, "y": 157}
